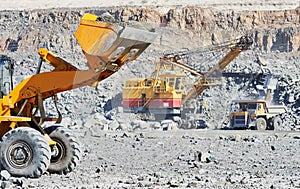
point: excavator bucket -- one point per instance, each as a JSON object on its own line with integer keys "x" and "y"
{"x": 106, "y": 44}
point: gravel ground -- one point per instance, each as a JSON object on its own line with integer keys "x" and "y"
{"x": 179, "y": 159}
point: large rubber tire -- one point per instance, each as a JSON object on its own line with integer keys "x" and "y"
{"x": 276, "y": 123}
{"x": 261, "y": 124}
{"x": 67, "y": 151}
{"x": 24, "y": 152}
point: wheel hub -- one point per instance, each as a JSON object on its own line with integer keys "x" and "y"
{"x": 19, "y": 155}
{"x": 58, "y": 152}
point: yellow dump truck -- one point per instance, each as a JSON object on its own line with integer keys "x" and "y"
{"x": 27, "y": 148}
{"x": 256, "y": 114}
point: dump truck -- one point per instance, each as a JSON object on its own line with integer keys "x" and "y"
{"x": 256, "y": 114}
{"x": 164, "y": 95}
{"x": 28, "y": 148}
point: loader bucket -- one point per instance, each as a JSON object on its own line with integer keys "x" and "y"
{"x": 104, "y": 43}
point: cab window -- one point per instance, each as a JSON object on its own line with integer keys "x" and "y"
{"x": 252, "y": 106}
{"x": 259, "y": 107}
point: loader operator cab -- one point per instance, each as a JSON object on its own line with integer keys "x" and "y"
{"x": 6, "y": 72}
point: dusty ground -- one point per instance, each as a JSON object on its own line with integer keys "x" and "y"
{"x": 230, "y": 159}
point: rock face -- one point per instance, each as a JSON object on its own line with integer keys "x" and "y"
{"x": 272, "y": 30}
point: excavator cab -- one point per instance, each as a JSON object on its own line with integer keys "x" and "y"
{"x": 173, "y": 81}
{"x": 6, "y": 72}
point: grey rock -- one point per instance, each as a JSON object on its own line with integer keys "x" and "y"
{"x": 140, "y": 125}
{"x": 173, "y": 183}
{"x": 6, "y": 184}
{"x": 100, "y": 118}
{"x": 205, "y": 157}
{"x": 155, "y": 125}
{"x": 237, "y": 138}
{"x": 114, "y": 125}
{"x": 168, "y": 125}
{"x": 5, "y": 175}
{"x": 105, "y": 127}
{"x": 297, "y": 137}
{"x": 260, "y": 174}
{"x": 125, "y": 127}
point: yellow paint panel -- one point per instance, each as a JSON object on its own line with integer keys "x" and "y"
{"x": 95, "y": 37}
{"x": 14, "y": 118}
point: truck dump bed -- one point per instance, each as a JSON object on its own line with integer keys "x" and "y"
{"x": 276, "y": 109}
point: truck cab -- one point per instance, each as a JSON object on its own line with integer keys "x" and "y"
{"x": 255, "y": 114}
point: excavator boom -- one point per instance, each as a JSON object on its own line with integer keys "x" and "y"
{"x": 243, "y": 44}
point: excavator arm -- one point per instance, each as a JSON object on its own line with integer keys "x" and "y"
{"x": 243, "y": 44}
{"x": 236, "y": 47}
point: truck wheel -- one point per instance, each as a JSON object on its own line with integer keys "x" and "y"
{"x": 276, "y": 123}
{"x": 261, "y": 124}
{"x": 66, "y": 153}
{"x": 24, "y": 152}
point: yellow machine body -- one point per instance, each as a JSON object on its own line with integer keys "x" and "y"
{"x": 159, "y": 95}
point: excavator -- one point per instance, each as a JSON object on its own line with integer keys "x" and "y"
{"x": 28, "y": 148}
{"x": 165, "y": 94}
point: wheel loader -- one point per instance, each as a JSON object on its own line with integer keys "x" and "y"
{"x": 27, "y": 147}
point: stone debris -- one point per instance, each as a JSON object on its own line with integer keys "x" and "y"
{"x": 297, "y": 137}
{"x": 168, "y": 125}
{"x": 4, "y": 175}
